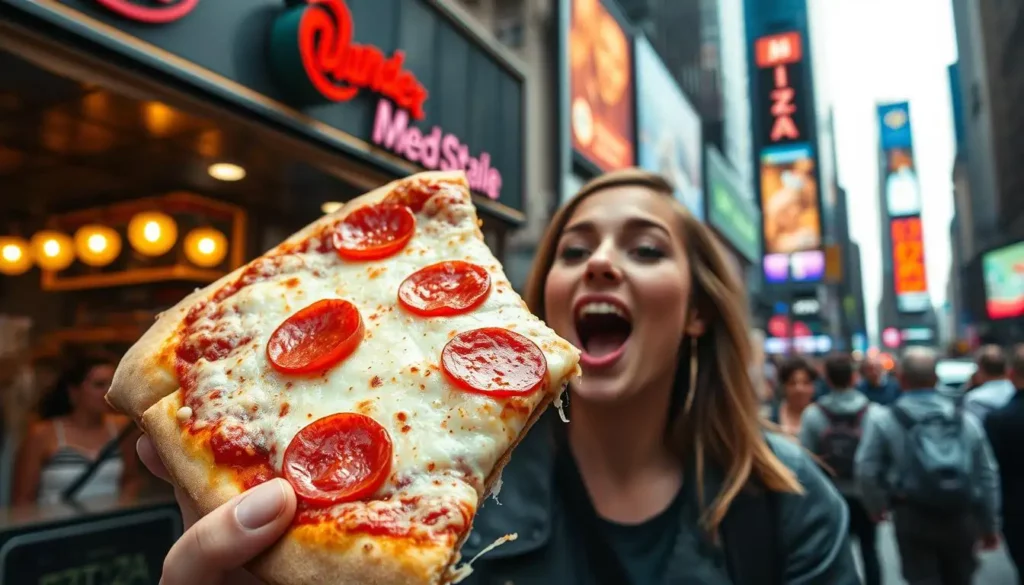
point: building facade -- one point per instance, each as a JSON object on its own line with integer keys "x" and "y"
{"x": 988, "y": 177}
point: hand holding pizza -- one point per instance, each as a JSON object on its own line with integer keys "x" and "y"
{"x": 213, "y": 548}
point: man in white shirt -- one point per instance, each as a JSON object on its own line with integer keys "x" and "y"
{"x": 994, "y": 389}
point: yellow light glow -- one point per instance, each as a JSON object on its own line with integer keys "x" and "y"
{"x": 53, "y": 250}
{"x": 206, "y": 247}
{"x": 12, "y": 253}
{"x": 329, "y": 207}
{"x": 226, "y": 172}
{"x": 97, "y": 245}
{"x": 152, "y": 233}
{"x": 14, "y": 256}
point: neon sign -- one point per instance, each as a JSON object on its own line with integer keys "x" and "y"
{"x": 150, "y": 11}
{"x": 908, "y": 257}
{"x": 314, "y": 39}
{"x": 777, "y": 52}
{"x": 777, "y": 55}
{"x": 434, "y": 150}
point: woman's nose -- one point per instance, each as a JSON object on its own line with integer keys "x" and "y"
{"x": 602, "y": 268}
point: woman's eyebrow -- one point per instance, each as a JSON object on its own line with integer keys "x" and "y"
{"x": 640, "y": 223}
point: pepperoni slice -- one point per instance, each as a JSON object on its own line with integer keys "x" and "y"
{"x": 446, "y": 288}
{"x": 339, "y": 458}
{"x": 316, "y": 338}
{"x": 374, "y": 232}
{"x": 494, "y": 361}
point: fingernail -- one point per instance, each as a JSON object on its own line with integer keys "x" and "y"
{"x": 261, "y": 505}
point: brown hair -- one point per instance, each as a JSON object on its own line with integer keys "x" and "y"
{"x": 718, "y": 418}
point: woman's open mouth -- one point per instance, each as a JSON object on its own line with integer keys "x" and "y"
{"x": 603, "y": 328}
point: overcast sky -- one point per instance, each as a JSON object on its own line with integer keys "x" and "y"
{"x": 892, "y": 50}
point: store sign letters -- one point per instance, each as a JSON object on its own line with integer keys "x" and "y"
{"x": 434, "y": 150}
{"x": 150, "y": 11}
{"x": 779, "y": 53}
{"x": 314, "y": 59}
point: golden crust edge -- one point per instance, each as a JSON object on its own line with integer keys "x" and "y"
{"x": 145, "y": 375}
{"x": 292, "y": 561}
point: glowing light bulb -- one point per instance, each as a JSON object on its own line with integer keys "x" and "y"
{"x": 51, "y": 248}
{"x": 97, "y": 243}
{"x": 12, "y": 253}
{"x": 207, "y": 246}
{"x": 151, "y": 231}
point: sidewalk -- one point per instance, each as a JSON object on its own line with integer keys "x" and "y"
{"x": 996, "y": 568}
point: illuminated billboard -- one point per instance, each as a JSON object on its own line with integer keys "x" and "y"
{"x": 601, "y": 86}
{"x": 909, "y": 276}
{"x": 788, "y": 165}
{"x": 1004, "y": 281}
{"x": 785, "y": 104}
{"x": 902, "y": 190}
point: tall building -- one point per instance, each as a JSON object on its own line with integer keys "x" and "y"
{"x": 685, "y": 33}
{"x": 988, "y": 176}
{"x": 906, "y": 303}
{"x": 793, "y": 162}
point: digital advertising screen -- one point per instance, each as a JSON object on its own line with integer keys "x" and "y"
{"x": 908, "y": 264}
{"x": 1003, "y": 270}
{"x": 902, "y": 189}
{"x": 789, "y": 199}
{"x": 789, "y": 188}
{"x": 730, "y": 206}
{"x": 669, "y": 129}
{"x": 600, "y": 86}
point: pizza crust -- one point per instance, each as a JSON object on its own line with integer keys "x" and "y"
{"x": 304, "y": 556}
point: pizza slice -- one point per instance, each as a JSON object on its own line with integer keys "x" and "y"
{"x": 378, "y": 360}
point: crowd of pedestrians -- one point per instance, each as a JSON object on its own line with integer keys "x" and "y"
{"x": 945, "y": 470}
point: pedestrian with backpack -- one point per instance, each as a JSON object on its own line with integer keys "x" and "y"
{"x": 930, "y": 463}
{"x": 831, "y": 428}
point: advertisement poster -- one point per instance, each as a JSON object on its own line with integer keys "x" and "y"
{"x": 600, "y": 86}
{"x": 669, "y": 129}
{"x": 908, "y": 267}
{"x": 1004, "y": 281}
{"x": 902, "y": 189}
{"x": 789, "y": 199}
{"x": 732, "y": 213}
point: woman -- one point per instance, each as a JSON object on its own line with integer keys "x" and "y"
{"x": 797, "y": 381}
{"x": 76, "y": 423}
{"x": 664, "y": 474}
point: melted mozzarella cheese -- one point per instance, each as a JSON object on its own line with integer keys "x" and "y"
{"x": 394, "y": 375}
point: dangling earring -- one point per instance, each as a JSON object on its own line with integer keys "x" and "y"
{"x": 694, "y": 364}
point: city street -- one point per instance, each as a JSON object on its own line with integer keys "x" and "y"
{"x": 996, "y": 568}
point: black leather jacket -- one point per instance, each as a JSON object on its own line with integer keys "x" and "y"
{"x": 812, "y": 541}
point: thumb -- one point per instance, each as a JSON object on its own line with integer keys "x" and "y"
{"x": 231, "y": 535}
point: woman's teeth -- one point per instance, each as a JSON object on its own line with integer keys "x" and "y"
{"x": 598, "y": 308}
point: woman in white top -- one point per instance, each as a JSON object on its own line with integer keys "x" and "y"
{"x": 76, "y": 424}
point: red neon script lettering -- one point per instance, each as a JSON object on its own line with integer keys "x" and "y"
{"x": 783, "y": 107}
{"x": 339, "y": 69}
{"x": 150, "y": 11}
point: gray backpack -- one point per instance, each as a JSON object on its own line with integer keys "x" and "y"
{"x": 937, "y": 465}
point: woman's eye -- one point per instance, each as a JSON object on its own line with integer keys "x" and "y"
{"x": 573, "y": 253}
{"x": 648, "y": 252}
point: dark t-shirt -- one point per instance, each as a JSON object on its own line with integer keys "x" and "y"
{"x": 637, "y": 554}
{"x": 644, "y": 549}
